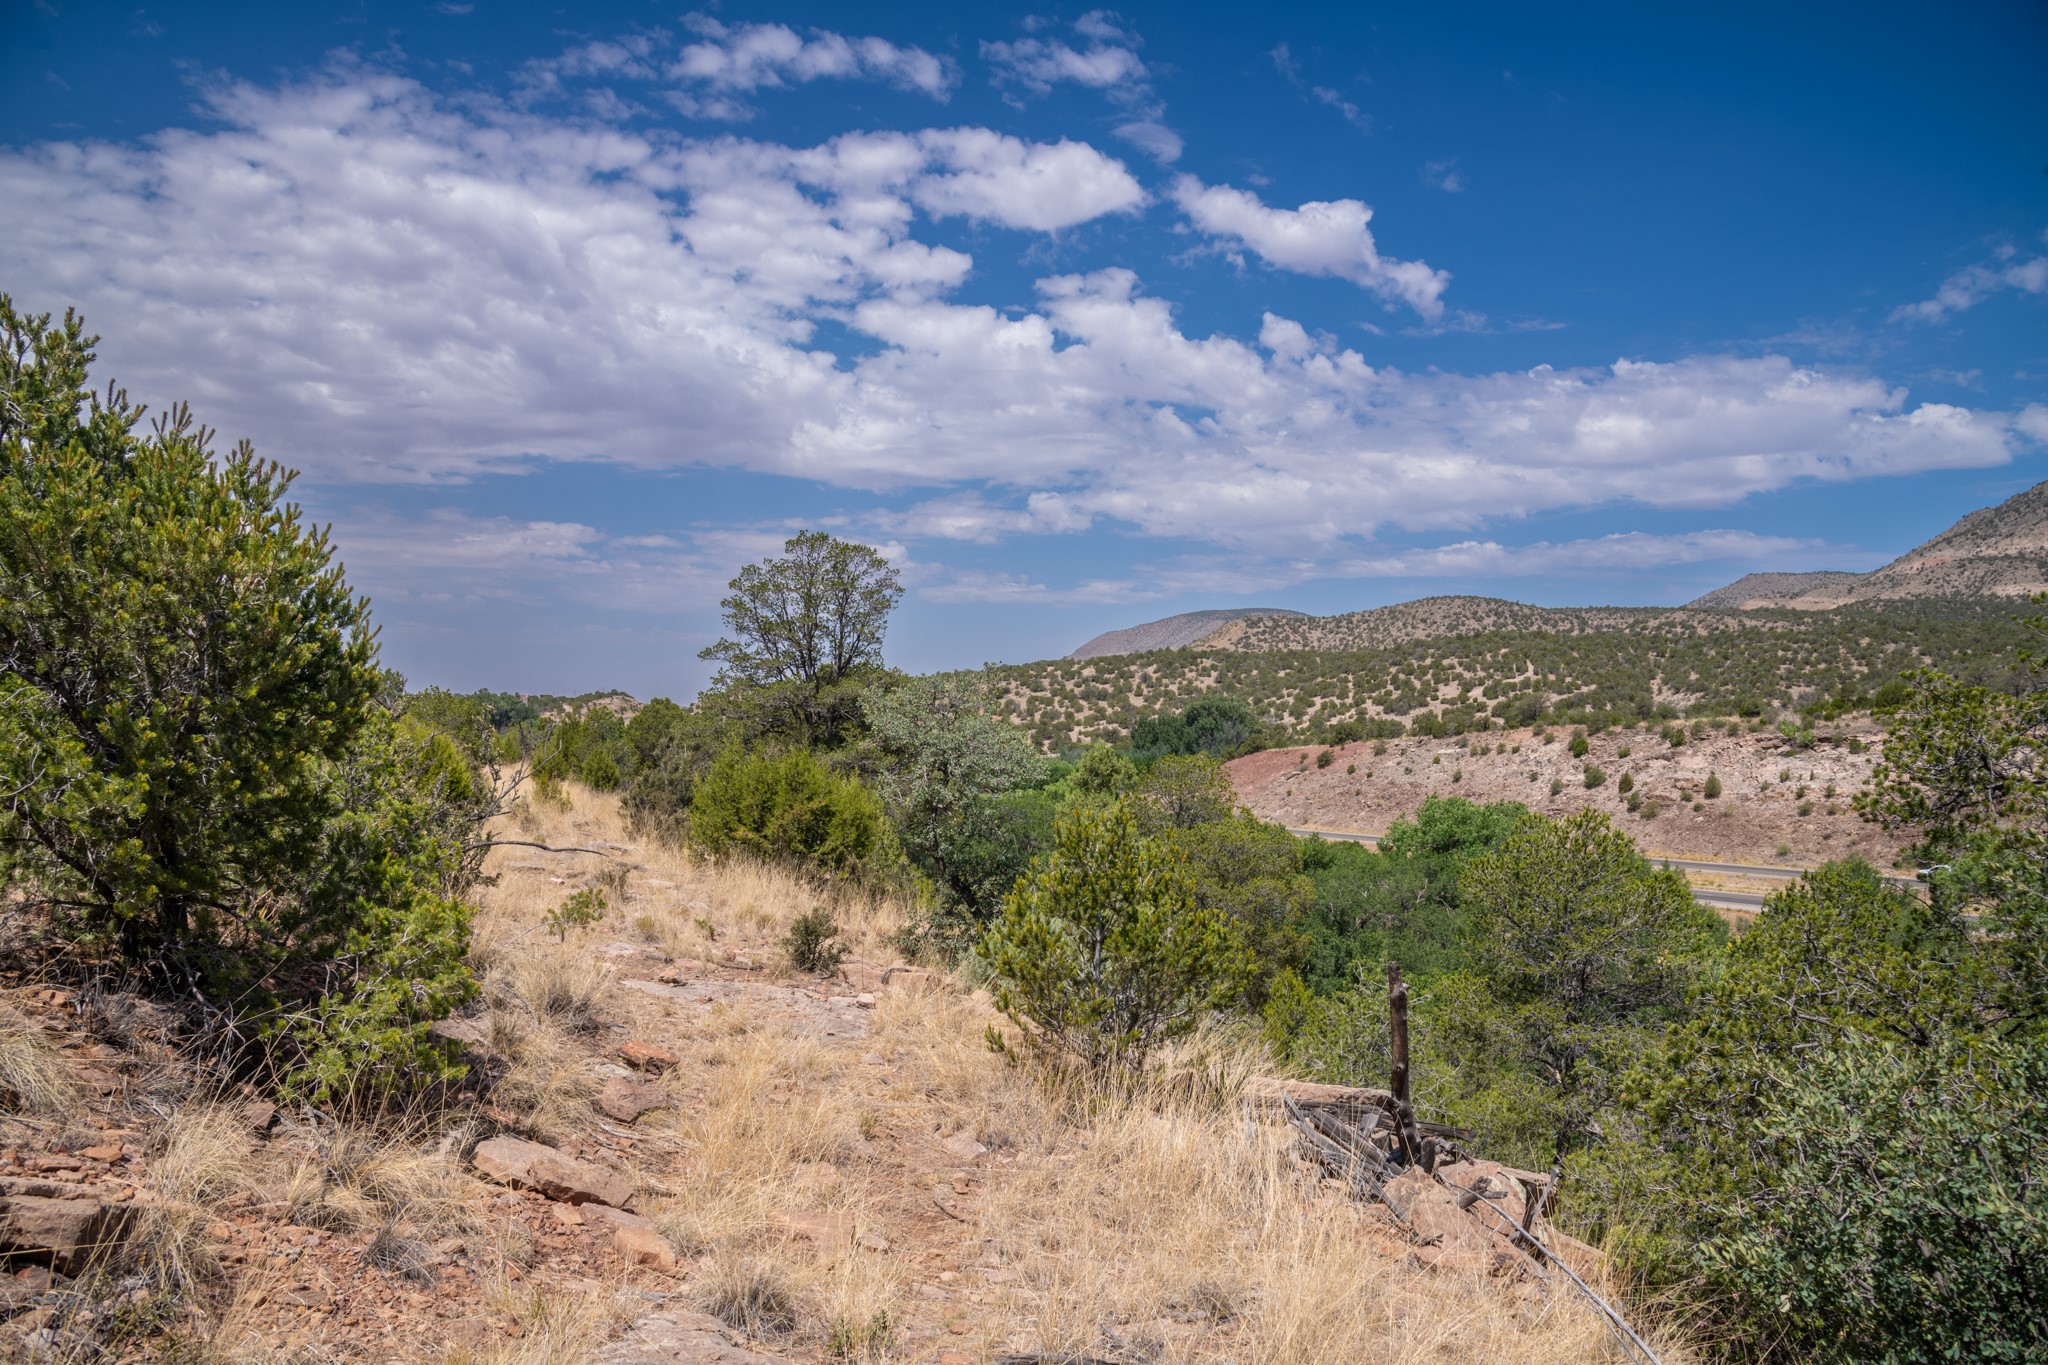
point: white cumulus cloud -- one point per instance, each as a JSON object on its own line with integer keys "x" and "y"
{"x": 378, "y": 284}
{"x": 1319, "y": 238}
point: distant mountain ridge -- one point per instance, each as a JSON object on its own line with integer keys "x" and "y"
{"x": 1997, "y": 551}
{"x": 1172, "y": 632}
{"x": 1773, "y": 589}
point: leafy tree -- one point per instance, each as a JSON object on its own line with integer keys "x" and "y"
{"x": 1242, "y": 867}
{"x": 650, "y": 728}
{"x": 202, "y": 770}
{"x": 179, "y": 655}
{"x": 1182, "y": 791}
{"x": 1400, "y": 903}
{"x": 1102, "y": 952}
{"x": 1903, "y": 1219}
{"x": 1580, "y": 948}
{"x": 789, "y": 808}
{"x": 1847, "y": 1123}
{"x": 944, "y": 763}
{"x": 1213, "y": 725}
{"x": 1105, "y": 772}
{"x": 813, "y": 616}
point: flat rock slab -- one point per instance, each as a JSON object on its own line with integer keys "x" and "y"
{"x": 626, "y": 1100}
{"x": 532, "y": 1166}
{"x": 62, "y": 1226}
{"x": 679, "y": 1338}
{"x": 809, "y": 1016}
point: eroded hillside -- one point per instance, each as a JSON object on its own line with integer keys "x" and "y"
{"x": 1772, "y": 801}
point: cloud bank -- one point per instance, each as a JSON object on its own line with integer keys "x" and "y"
{"x": 380, "y": 284}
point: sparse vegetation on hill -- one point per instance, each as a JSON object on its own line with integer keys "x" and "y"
{"x": 1456, "y": 664}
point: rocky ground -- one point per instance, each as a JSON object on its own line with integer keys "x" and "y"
{"x": 1780, "y": 803}
{"x": 675, "y": 1148}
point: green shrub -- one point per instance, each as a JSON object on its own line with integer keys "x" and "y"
{"x": 1865, "y": 1245}
{"x": 1626, "y": 784}
{"x": 1594, "y": 776}
{"x": 789, "y": 808}
{"x": 1579, "y": 745}
{"x": 581, "y": 910}
{"x": 1326, "y": 758}
{"x": 812, "y": 942}
{"x": 1556, "y": 785}
{"x": 1102, "y": 953}
{"x": 1712, "y": 791}
{"x": 198, "y": 769}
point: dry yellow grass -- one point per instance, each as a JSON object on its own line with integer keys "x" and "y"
{"x": 34, "y": 1078}
{"x": 801, "y": 1172}
{"x": 1163, "y": 1221}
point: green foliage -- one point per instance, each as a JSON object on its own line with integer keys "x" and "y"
{"x": 1625, "y": 784}
{"x": 1103, "y": 952}
{"x": 812, "y": 943}
{"x": 1180, "y": 792}
{"x": 1579, "y": 745}
{"x": 1594, "y": 776}
{"x": 1592, "y": 668}
{"x": 1250, "y": 871}
{"x": 200, "y": 774}
{"x": 1105, "y": 772}
{"x": 943, "y": 766}
{"x": 1580, "y": 949}
{"x": 1961, "y": 760}
{"x": 1398, "y": 903}
{"x": 579, "y": 911}
{"x": 1903, "y": 1219}
{"x": 789, "y": 808}
{"x": 1860, "y": 1055}
{"x": 180, "y": 654}
{"x": 599, "y": 771}
{"x": 812, "y": 617}
{"x": 1712, "y": 789}
{"x": 1217, "y": 726}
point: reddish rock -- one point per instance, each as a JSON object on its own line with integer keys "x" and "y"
{"x": 644, "y": 1246}
{"x": 532, "y": 1166}
{"x": 63, "y": 1224}
{"x": 679, "y": 1337}
{"x": 911, "y": 979}
{"x": 626, "y": 1100}
{"x": 646, "y": 1056}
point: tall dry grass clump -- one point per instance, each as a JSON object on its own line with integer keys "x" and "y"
{"x": 34, "y": 1077}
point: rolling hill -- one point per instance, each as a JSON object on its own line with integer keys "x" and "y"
{"x": 1999, "y": 551}
{"x": 1172, "y": 632}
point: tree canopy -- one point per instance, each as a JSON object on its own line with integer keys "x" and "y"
{"x": 813, "y": 616}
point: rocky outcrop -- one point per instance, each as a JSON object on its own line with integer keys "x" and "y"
{"x": 64, "y": 1227}
{"x": 533, "y": 1166}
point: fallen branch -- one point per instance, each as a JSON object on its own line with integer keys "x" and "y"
{"x": 528, "y": 843}
{"x": 1618, "y": 1324}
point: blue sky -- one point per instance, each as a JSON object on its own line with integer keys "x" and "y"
{"x": 1084, "y": 317}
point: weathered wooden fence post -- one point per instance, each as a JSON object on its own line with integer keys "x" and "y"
{"x": 1415, "y": 1152}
